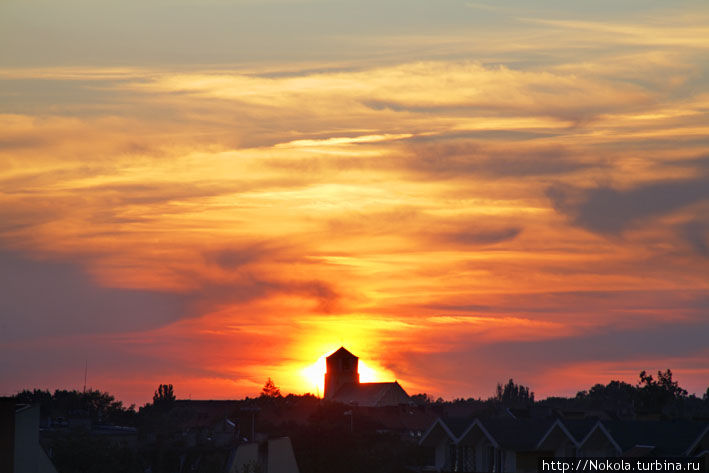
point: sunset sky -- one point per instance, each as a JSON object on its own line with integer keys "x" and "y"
{"x": 211, "y": 193}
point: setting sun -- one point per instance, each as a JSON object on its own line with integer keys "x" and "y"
{"x": 314, "y": 376}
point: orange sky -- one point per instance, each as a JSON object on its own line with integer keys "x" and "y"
{"x": 455, "y": 204}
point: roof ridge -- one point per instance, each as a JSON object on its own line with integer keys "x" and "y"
{"x": 342, "y": 351}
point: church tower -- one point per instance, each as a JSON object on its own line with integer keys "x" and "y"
{"x": 341, "y": 369}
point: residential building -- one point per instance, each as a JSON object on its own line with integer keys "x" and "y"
{"x": 270, "y": 456}
{"x": 20, "y": 450}
{"x": 516, "y": 445}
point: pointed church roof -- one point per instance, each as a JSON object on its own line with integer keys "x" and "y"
{"x": 341, "y": 353}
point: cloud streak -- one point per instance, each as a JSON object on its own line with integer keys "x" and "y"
{"x": 608, "y": 210}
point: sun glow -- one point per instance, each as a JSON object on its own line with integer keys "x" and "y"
{"x": 367, "y": 374}
{"x": 314, "y": 376}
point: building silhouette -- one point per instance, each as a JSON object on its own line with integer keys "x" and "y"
{"x": 342, "y": 368}
{"x": 20, "y": 450}
{"x": 342, "y": 384}
{"x": 509, "y": 444}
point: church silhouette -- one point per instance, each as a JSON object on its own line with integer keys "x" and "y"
{"x": 342, "y": 384}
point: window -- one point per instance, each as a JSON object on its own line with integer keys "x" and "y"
{"x": 452, "y": 463}
{"x": 467, "y": 453}
{"x": 490, "y": 457}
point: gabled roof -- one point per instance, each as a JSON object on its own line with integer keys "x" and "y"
{"x": 476, "y": 424}
{"x": 342, "y": 352}
{"x": 579, "y": 428}
{"x": 557, "y": 425}
{"x": 598, "y": 426}
{"x": 366, "y": 394}
{"x": 439, "y": 429}
{"x": 458, "y": 425}
{"x": 517, "y": 434}
{"x": 22, "y": 407}
{"x": 401, "y": 418}
{"x": 670, "y": 438}
{"x": 508, "y": 433}
{"x": 697, "y": 440}
{"x": 664, "y": 438}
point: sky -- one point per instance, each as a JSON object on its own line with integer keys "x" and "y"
{"x": 211, "y": 193}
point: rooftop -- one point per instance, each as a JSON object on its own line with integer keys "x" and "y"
{"x": 342, "y": 352}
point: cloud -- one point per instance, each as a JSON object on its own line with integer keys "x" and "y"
{"x": 483, "y": 237}
{"x": 459, "y": 158}
{"x": 499, "y": 95}
{"x": 40, "y": 298}
{"x": 654, "y": 340}
{"x": 624, "y": 308}
{"x": 608, "y": 210}
{"x": 697, "y": 235}
{"x": 44, "y": 298}
{"x": 471, "y": 365}
{"x": 233, "y": 258}
{"x": 249, "y": 287}
{"x": 666, "y": 34}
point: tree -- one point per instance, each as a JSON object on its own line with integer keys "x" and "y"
{"x": 664, "y": 384}
{"x": 656, "y": 395}
{"x": 514, "y": 394}
{"x": 164, "y": 396}
{"x": 422, "y": 399}
{"x": 616, "y": 395}
{"x": 270, "y": 389}
{"x": 97, "y": 405}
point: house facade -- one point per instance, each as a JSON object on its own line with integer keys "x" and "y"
{"x": 516, "y": 445}
{"x": 20, "y": 450}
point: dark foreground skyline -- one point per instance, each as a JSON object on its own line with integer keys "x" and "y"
{"x": 510, "y": 431}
